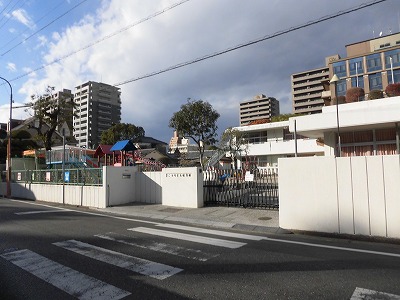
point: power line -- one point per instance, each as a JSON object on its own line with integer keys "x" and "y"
{"x": 208, "y": 56}
{"x": 9, "y": 12}
{"x": 103, "y": 39}
{"x": 44, "y": 27}
{"x": 264, "y": 38}
{"x": 37, "y": 21}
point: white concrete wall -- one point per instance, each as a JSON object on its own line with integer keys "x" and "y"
{"x": 182, "y": 187}
{"x": 148, "y": 187}
{"x": 90, "y": 196}
{"x": 304, "y": 146}
{"x": 350, "y": 195}
{"x": 119, "y": 184}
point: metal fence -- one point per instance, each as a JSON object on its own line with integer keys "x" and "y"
{"x": 82, "y": 176}
{"x": 257, "y": 188}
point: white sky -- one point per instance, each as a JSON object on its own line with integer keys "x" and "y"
{"x": 41, "y": 32}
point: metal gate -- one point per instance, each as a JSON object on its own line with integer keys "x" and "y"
{"x": 257, "y": 188}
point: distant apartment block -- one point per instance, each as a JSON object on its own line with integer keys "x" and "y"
{"x": 97, "y": 108}
{"x": 307, "y": 89}
{"x": 67, "y": 126}
{"x": 370, "y": 64}
{"x": 260, "y": 107}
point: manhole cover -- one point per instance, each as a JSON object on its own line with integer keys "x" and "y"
{"x": 265, "y": 218}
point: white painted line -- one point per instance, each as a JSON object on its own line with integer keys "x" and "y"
{"x": 190, "y": 237}
{"x": 71, "y": 281}
{"x": 362, "y": 294}
{"x": 135, "y": 264}
{"x": 334, "y": 247}
{"x": 90, "y": 213}
{"x": 41, "y": 211}
{"x": 265, "y": 238}
{"x": 159, "y": 247}
{"x": 214, "y": 232}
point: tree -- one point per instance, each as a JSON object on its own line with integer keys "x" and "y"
{"x": 342, "y": 100}
{"x": 121, "y": 131}
{"x": 234, "y": 142}
{"x": 52, "y": 112}
{"x": 393, "y": 90}
{"x": 283, "y": 117}
{"x": 375, "y": 94}
{"x": 355, "y": 94}
{"x": 197, "y": 120}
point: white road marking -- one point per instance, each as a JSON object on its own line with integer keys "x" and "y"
{"x": 89, "y": 213}
{"x": 363, "y": 294}
{"x": 135, "y": 264}
{"x": 71, "y": 281}
{"x": 159, "y": 247}
{"x": 42, "y": 211}
{"x": 190, "y": 237}
{"x": 266, "y": 238}
{"x": 214, "y": 232}
{"x": 334, "y": 247}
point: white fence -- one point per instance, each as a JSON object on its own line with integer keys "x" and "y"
{"x": 357, "y": 195}
{"x": 121, "y": 185}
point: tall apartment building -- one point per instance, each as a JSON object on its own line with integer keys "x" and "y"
{"x": 307, "y": 89}
{"x": 260, "y": 107}
{"x": 370, "y": 64}
{"x": 97, "y": 108}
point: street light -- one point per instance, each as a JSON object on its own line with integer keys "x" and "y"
{"x": 335, "y": 80}
{"x": 8, "y": 193}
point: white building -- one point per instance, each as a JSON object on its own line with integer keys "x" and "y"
{"x": 365, "y": 128}
{"x": 269, "y": 141}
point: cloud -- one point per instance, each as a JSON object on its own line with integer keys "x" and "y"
{"x": 11, "y": 66}
{"x": 22, "y": 16}
{"x": 190, "y": 31}
{"x": 42, "y": 41}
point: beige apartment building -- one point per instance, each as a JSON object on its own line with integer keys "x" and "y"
{"x": 307, "y": 88}
{"x": 370, "y": 64}
{"x": 260, "y": 107}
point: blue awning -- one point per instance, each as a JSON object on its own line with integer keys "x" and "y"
{"x": 125, "y": 145}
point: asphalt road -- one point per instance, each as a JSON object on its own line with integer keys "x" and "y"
{"x": 48, "y": 252}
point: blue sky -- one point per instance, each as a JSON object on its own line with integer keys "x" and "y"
{"x": 65, "y": 43}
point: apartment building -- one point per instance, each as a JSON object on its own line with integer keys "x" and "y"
{"x": 97, "y": 108}
{"x": 67, "y": 126}
{"x": 260, "y": 107}
{"x": 370, "y": 64}
{"x": 307, "y": 88}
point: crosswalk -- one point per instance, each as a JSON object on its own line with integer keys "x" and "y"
{"x": 187, "y": 242}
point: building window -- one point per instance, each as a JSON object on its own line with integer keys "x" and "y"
{"x": 341, "y": 88}
{"x": 395, "y": 55}
{"x": 396, "y": 76}
{"x": 356, "y": 66}
{"x": 357, "y": 81}
{"x": 374, "y": 62}
{"x": 375, "y": 81}
{"x": 339, "y": 68}
{"x": 369, "y": 142}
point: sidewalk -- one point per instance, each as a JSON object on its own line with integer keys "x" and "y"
{"x": 258, "y": 220}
